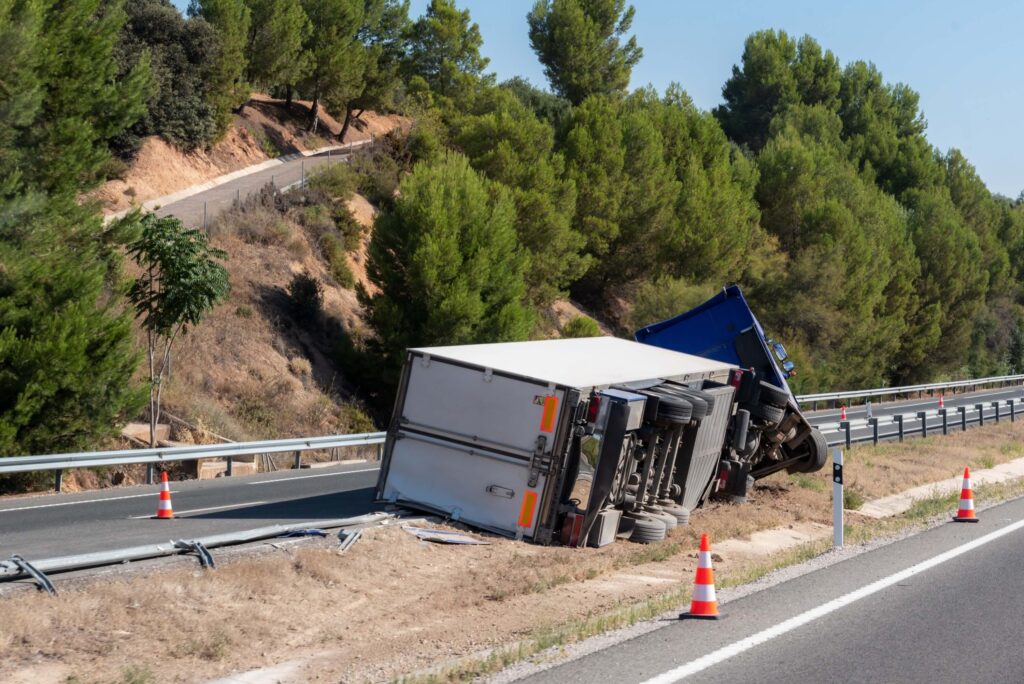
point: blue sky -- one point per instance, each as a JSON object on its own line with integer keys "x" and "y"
{"x": 965, "y": 59}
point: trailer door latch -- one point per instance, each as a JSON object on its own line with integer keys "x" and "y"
{"x": 538, "y": 463}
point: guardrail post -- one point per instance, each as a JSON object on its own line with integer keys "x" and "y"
{"x": 873, "y": 422}
{"x": 298, "y": 460}
{"x": 995, "y": 405}
{"x": 380, "y": 452}
{"x": 58, "y": 480}
{"x": 837, "y": 497}
{"x": 945, "y": 420}
{"x": 845, "y": 427}
{"x": 923, "y": 417}
{"x": 981, "y": 414}
{"x": 150, "y": 473}
{"x": 962, "y": 410}
{"x": 229, "y": 467}
{"x": 899, "y": 425}
{"x": 1013, "y": 409}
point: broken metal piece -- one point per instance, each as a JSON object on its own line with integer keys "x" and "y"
{"x": 442, "y": 536}
{"x": 350, "y": 537}
{"x": 307, "y": 532}
{"x": 43, "y": 582}
{"x": 198, "y": 548}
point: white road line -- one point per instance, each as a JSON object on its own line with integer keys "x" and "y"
{"x": 75, "y": 503}
{"x": 178, "y": 514}
{"x": 307, "y": 477}
{"x": 738, "y": 647}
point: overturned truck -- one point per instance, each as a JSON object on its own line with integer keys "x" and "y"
{"x": 582, "y": 441}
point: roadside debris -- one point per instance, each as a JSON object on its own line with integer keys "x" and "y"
{"x": 443, "y": 536}
{"x": 348, "y": 538}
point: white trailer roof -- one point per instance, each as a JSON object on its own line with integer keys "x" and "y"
{"x": 580, "y": 362}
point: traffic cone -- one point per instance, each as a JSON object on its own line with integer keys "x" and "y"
{"x": 842, "y": 413}
{"x": 942, "y": 401}
{"x": 966, "y": 511}
{"x": 163, "y": 510}
{"x": 704, "y": 605}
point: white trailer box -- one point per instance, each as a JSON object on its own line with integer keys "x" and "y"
{"x": 480, "y": 433}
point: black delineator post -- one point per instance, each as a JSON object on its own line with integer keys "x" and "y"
{"x": 995, "y": 405}
{"x": 981, "y": 414}
{"x": 923, "y": 417}
{"x": 945, "y": 420}
{"x": 899, "y": 425}
{"x": 873, "y": 422}
{"x": 845, "y": 427}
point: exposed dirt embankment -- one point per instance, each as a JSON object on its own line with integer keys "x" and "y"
{"x": 394, "y": 605}
{"x": 263, "y": 129}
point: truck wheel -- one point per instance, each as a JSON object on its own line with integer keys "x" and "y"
{"x": 772, "y": 395}
{"x": 817, "y": 454}
{"x": 670, "y": 520}
{"x": 682, "y": 515}
{"x": 772, "y": 415}
{"x": 646, "y": 529}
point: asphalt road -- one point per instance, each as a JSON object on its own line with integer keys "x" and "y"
{"x": 47, "y": 526}
{"x": 205, "y": 206}
{"x": 912, "y": 611}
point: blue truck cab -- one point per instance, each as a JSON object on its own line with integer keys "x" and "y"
{"x": 768, "y": 432}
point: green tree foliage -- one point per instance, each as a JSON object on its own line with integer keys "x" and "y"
{"x": 509, "y": 144}
{"x": 444, "y": 50}
{"x": 227, "y": 88}
{"x": 662, "y": 298}
{"x": 83, "y": 102}
{"x": 447, "y": 263}
{"x": 381, "y": 38}
{"x": 715, "y": 219}
{"x": 336, "y": 63}
{"x": 275, "y": 53}
{"x": 67, "y": 352}
{"x": 21, "y": 92}
{"x": 548, "y": 107}
{"x": 847, "y": 287}
{"x": 777, "y": 72}
{"x": 579, "y": 44}
{"x": 179, "y": 283}
{"x": 180, "y": 50}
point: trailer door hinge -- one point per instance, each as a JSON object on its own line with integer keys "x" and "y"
{"x": 538, "y": 462}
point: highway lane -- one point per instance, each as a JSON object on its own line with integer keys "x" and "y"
{"x": 912, "y": 611}
{"x": 915, "y": 405}
{"x": 57, "y": 525}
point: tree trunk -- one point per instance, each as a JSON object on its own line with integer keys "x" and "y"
{"x": 347, "y": 122}
{"x": 314, "y": 111}
{"x": 288, "y": 98}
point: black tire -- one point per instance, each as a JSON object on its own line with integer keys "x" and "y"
{"x": 647, "y": 530}
{"x": 670, "y": 520}
{"x": 699, "y": 400}
{"x": 772, "y": 415}
{"x": 773, "y": 396}
{"x": 682, "y": 515}
{"x": 817, "y": 453}
{"x": 672, "y": 409}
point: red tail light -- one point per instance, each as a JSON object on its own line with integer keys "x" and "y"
{"x": 736, "y": 378}
{"x": 593, "y": 408}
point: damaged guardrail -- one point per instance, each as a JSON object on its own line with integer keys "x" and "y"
{"x": 17, "y": 568}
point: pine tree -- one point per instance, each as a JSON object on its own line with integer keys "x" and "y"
{"x": 444, "y": 50}
{"x": 447, "y": 263}
{"x": 336, "y": 64}
{"x": 275, "y": 54}
{"x": 578, "y": 42}
{"x": 226, "y": 87}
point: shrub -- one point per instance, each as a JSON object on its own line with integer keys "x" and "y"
{"x": 338, "y": 181}
{"x": 244, "y": 311}
{"x": 306, "y": 296}
{"x": 334, "y": 252}
{"x": 300, "y": 366}
{"x": 581, "y": 326}
{"x": 351, "y": 230}
{"x": 664, "y": 298}
{"x": 317, "y": 218}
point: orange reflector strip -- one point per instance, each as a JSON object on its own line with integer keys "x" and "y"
{"x": 526, "y": 512}
{"x": 547, "y": 419}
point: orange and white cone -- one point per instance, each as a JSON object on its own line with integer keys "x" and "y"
{"x": 842, "y": 413}
{"x": 704, "y": 605}
{"x": 966, "y": 511}
{"x": 164, "y": 510}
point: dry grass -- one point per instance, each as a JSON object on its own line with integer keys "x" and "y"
{"x": 393, "y": 605}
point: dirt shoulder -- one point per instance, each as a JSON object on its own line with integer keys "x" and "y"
{"x": 394, "y": 605}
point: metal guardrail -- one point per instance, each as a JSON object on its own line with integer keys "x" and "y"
{"x": 908, "y": 389}
{"x": 91, "y": 459}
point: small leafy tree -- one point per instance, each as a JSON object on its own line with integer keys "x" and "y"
{"x": 581, "y": 326}
{"x": 180, "y": 283}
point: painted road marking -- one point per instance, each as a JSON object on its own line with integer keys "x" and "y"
{"x": 75, "y": 503}
{"x": 307, "y": 477}
{"x": 178, "y": 514}
{"x": 738, "y": 647}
